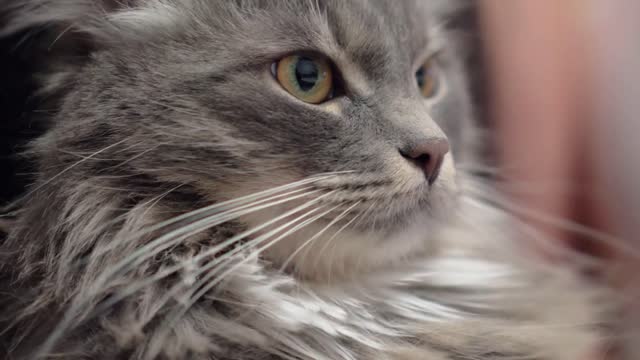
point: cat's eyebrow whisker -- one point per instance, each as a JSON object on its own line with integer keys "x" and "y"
{"x": 319, "y": 233}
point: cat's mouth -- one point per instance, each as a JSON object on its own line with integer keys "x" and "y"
{"x": 348, "y": 236}
{"x": 348, "y": 221}
{"x": 383, "y": 205}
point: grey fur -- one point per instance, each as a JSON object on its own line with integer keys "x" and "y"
{"x": 174, "y": 109}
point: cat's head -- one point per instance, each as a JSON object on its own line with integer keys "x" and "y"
{"x": 230, "y": 98}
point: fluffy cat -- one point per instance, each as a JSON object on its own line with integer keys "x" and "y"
{"x": 268, "y": 180}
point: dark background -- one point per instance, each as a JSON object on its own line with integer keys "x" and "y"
{"x": 21, "y": 56}
{"x": 15, "y": 89}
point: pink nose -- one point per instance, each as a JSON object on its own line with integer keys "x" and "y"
{"x": 428, "y": 156}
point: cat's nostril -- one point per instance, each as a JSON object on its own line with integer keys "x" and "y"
{"x": 428, "y": 156}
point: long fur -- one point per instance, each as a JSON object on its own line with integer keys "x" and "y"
{"x": 179, "y": 206}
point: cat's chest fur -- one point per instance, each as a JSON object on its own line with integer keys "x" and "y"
{"x": 461, "y": 303}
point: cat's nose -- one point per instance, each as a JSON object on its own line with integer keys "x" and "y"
{"x": 428, "y": 155}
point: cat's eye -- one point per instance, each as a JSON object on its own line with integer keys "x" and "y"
{"x": 307, "y": 77}
{"x": 427, "y": 79}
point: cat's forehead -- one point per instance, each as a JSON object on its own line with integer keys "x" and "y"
{"x": 405, "y": 24}
{"x": 389, "y": 31}
{"x": 378, "y": 35}
{"x": 398, "y": 26}
{"x": 352, "y": 24}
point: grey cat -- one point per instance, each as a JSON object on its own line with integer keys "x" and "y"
{"x": 269, "y": 180}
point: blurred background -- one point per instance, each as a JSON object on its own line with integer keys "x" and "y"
{"x": 557, "y": 83}
{"x": 564, "y": 96}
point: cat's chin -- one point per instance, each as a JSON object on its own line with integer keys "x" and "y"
{"x": 382, "y": 237}
{"x": 352, "y": 252}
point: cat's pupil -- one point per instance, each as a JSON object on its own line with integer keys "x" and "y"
{"x": 306, "y": 73}
{"x": 420, "y": 77}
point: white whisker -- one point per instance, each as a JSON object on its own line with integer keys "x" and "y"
{"x": 177, "y": 314}
{"x": 270, "y": 233}
{"x": 210, "y": 252}
{"x": 241, "y": 200}
{"x": 355, "y": 221}
{"x": 330, "y": 241}
{"x": 322, "y": 231}
{"x": 176, "y": 236}
{"x": 217, "y": 211}
{"x": 62, "y": 172}
{"x": 82, "y": 302}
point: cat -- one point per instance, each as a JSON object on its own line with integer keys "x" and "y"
{"x": 269, "y": 180}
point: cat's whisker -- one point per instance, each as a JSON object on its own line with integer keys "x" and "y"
{"x": 228, "y": 258}
{"x": 209, "y": 252}
{"x": 216, "y": 208}
{"x": 204, "y": 285}
{"x": 242, "y": 200}
{"x": 355, "y": 222}
{"x": 82, "y": 302}
{"x": 219, "y": 209}
{"x": 180, "y": 234}
{"x": 318, "y": 234}
{"x": 330, "y": 241}
{"x": 70, "y": 167}
{"x": 231, "y": 254}
{"x": 151, "y": 203}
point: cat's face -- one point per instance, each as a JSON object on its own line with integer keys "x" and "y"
{"x": 273, "y": 92}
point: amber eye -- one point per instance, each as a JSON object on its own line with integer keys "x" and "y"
{"x": 307, "y": 77}
{"x": 427, "y": 79}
